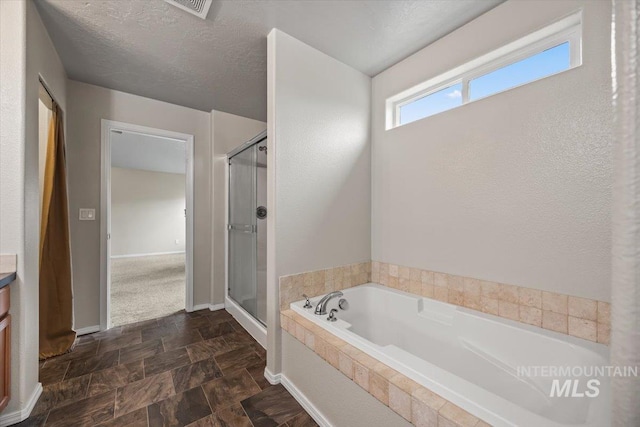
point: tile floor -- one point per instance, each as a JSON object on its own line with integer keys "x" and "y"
{"x": 197, "y": 369}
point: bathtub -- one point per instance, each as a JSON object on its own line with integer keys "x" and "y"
{"x": 469, "y": 358}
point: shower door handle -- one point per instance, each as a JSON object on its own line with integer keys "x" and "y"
{"x": 243, "y": 228}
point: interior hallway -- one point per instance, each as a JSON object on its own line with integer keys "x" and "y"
{"x": 188, "y": 369}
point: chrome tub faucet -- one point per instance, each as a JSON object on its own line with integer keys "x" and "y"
{"x": 321, "y": 308}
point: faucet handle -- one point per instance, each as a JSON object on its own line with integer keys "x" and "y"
{"x": 332, "y": 315}
{"x": 307, "y": 303}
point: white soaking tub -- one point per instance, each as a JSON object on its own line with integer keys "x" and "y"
{"x": 470, "y": 358}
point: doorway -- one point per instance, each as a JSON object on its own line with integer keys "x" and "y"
{"x": 146, "y": 222}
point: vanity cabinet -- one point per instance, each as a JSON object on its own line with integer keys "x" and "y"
{"x": 5, "y": 348}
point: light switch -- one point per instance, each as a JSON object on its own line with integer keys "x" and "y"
{"x": 87, "y": 214}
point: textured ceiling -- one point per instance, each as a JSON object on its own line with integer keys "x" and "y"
{"x": 145, "y": 152}
{"x": 152, "y": 49}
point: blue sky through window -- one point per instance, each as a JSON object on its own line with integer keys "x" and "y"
{"x": 437, "y": 102}
{"x": 535, "y": 67}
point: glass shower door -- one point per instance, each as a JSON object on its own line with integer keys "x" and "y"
{"x": 243, "y": 229}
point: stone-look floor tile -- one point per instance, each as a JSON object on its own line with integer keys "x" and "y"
{"x": 53, "y": 372}
{"x": 219, "y": 316}
{"x": 116, "y": 343}
{"x": 159, "y": 331}
{"x": 78, "y": 352}
{"x": 112, "y": 378}
{"x": 230, "y": 389}
{"x": 166, "y": 361}
{"x": 231, "y": 416}
{"x": 141, "y": 351}
{"x": 143, "y": 393}
{"x": 271, "y": 407}
{"x": 239, "y": 339}
{"x": 181, "y": 339}
{"x": 233, "y": 360}
{"x": 115, "y": 331}
{"x": 92, "y": 364}
{"x": 62, "y": 393}
{"x": 188, "y": 323}
{"x": 87, "y": 412}
{"x": 179, "y": 410}
{"x": 302, "y": 420}
{"x": 207, "y": 349}
{"x": 133, "y": 419}
{"x": 139, "y": 326}
{"x": 209, "y": 421}
{"x": 190, "y": 376}
{"x": 257, "y": 373}
{"x": 33, "y": 421}
{"x": 216, "y": 330}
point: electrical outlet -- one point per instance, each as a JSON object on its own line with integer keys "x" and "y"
{"x": 87, "y": 214}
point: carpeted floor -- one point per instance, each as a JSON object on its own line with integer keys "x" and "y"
{"x": 147, "y": 287}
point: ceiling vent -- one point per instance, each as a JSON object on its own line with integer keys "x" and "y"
{"x": 200, "y": 8}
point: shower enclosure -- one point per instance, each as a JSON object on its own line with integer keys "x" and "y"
{"x": 247, "y": 233}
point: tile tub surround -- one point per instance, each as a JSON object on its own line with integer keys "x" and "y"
{"x": 415, "y": 403}
{"x": 187, "y": 369}
{"x": 571, "y": 315}
{"x": 321, "y": 282}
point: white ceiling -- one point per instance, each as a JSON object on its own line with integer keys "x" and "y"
{"x": 153, "y": 49}
{"x": 145, "y": 152}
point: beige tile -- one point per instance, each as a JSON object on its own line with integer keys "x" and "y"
{"x": 345, "y": 364}
{"x": 458, "y": 415}
{"x": 558, "y": 303}
{"x": 482, "y": 424}
{"x": 422, "y": 415}
{"x": 530, "y": 297}
{"x": 490, "y": 289}
{"x": 415, "y": 287}
{"x": 440, "y": 279}
{"x": 508, "y": 310}
{"x": 404, "y": 272}
{"x": 415, "y": 274}
{"x": 400, "y": 401}
{"x": 489, "y": 305}
{"x": 583, "y": 328}
{"x": 429, "y": 398}
{"x": 427, "y": 290}
{"x": 300, "y": 332}
{"x": 509, "y": 293}
{"x": 375, "y": 276}
{"x": 404, "y": 383}
{"x": 583, "y": 308}
{"x": 366, "y": 360}
{"x": 320, "y": 347}
{"x": 393, "y": 270}
{"x": 379, "y": 387}
{"x": 333, "y": 356}
{"x": 361, "y": 375}
{"x": 455, "y": 283}
{"x": 404, "y": 284}
{"x": 384, "y": 370}
{"x": 472, "y": 301}
{"x": 554, "y": 321}
{"x": 441, "y": 294}
{"x": 309, "y": 339}
{"x": 394, "y": 282}
{"x": 426, "y": 277}
{"x": 471, "y": 286}
{"x": 531, "y": 315}
{"x": 456, "y": 297}
{"x": 604, "y": 312}
{"x": 603, "y": 333}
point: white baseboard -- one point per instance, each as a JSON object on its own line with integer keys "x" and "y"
{"x": 212, "y": 307}
{"x": 88, "y": 330}
{"x": 271, "y": 377}
{"x": 20, "y": 415}
{"x": 311, "y": 409}
{"x": 150, "y": 254}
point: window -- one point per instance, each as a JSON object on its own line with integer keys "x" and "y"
{"x": 546, "y": 52}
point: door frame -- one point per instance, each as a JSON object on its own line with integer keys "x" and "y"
{"x": 105, "y": 210}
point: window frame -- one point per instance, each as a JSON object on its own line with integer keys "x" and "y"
{"x": 568, "y": 29}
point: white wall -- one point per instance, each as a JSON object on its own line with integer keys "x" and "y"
{"x": 89, "y": 104}
{"x": 147, "y": 212}
{"x": 318, "y": 180}
{"x": 26, "y": 51}
{"x": 513, "y": 188}
{"x": 229, "y": 131}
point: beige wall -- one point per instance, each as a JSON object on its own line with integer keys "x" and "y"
{"x": 318, "y": 180}
{"x": 229, "y": 131}
{"x": 513, "y": 188}
{"x": 26, "y": 52}
{"x": 89, "y": 104}
{"x": 147, "y": 212}
{"x": 340, "y": 400}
